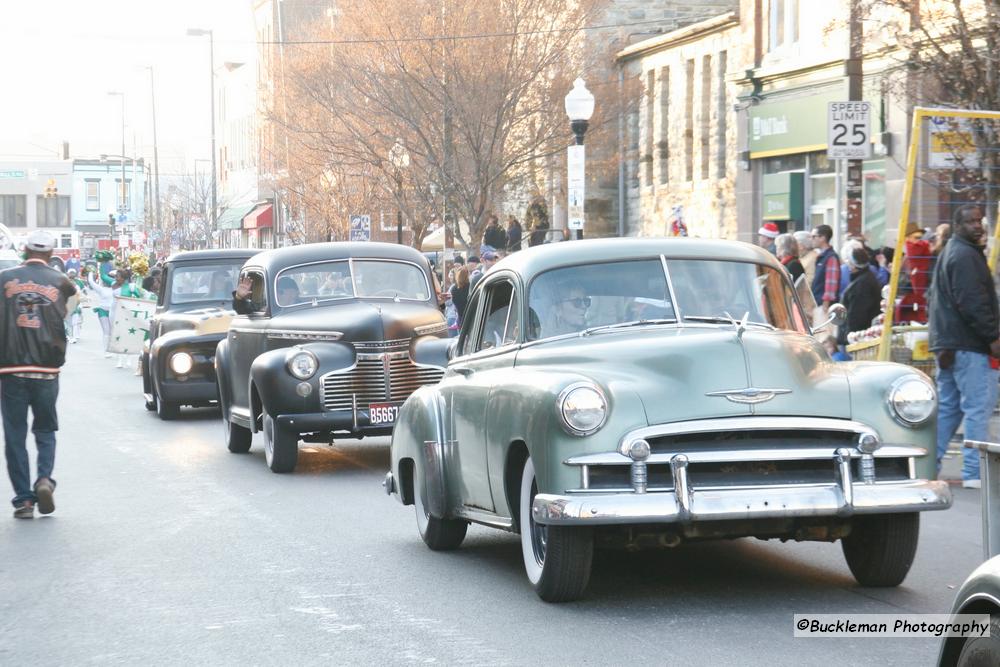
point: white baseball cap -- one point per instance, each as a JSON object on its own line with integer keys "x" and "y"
{"x": 40, "y": 241}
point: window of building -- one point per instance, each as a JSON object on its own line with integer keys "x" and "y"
{"x": 52, "y": 211}
{"x": 663, "y": 146}
{"x": 93, "y": 194}
{"x": 706, "y": 111}
{"x": 784, "y": 23}
{"x": 722, "y": 113}
{"x": 647, "y": 147}
{"x": 128, "y": 194}
{"x": 689, "y": 123}
{"x": 12, "y": 210}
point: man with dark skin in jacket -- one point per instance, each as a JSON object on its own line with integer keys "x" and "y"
{"x": 964, "y": 334}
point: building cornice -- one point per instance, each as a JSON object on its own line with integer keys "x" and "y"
{"x": 680, "y": 36}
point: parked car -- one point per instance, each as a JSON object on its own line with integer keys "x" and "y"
{"x": 325, "y": 348}
{"x": 635, "y": 392}
{"x": 979, "y": 594}
{"x": 193, "y": 310}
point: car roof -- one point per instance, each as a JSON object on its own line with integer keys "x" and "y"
{"x": 218, "y": 253}
{"x": 275, "y": 260}
{"x": 535, "y": 260}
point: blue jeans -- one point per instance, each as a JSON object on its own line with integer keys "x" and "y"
{"x": 966, "y": 390}
{"x": 16, "y": 396}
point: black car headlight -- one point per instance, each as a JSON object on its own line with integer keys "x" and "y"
{"x": 912, "y": 400}
{"x": 302, "y": 364}
{"x": 582, "y": 407}
{"x": 181, "y": 363}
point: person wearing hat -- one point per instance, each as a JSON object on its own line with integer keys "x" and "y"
{"x": 489, "y": 259}
{"x": 75, "y": 322}
{"x": 34, "y": 300}
{"x": 766, "y": 235}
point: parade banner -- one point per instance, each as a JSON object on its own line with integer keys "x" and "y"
{"x": 130, "y": 327}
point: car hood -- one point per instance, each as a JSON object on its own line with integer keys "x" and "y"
{"x": 199, "y": 321}
{"x": 361, "y": 320}
{"x": 676, "y": 371}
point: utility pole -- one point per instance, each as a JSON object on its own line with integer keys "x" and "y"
{"x": 854, "y": 69}
{"x": 156, "y": 157}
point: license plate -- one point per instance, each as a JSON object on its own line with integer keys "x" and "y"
{"x": 383, "y": 413}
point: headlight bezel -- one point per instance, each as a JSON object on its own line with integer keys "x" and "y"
{"x": 898, "y": 385}
{"x": 567, "y": 393}
{"x": 178, "y": 356}
{"x": 292, "y": 368}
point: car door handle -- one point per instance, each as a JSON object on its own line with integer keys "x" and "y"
{"x": 463, "y": 370}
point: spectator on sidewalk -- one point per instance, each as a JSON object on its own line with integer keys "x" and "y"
{"x": 862, "y": 296}
{"x": 807, "y": 256}
{"x": 494, "y": 236}
{"x": 34, "y": 301}
{"x": 965, "y": 337}
{"x": 514, "y": 234}
{"x": 826, "y": 279}
{"x": 788, "y": 255}
{"x": 766, "y": 235}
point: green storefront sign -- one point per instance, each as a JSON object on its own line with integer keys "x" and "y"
{"x": 783, "y": 124}
{"x": 783, "y": 196}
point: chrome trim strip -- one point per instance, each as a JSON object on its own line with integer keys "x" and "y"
{"x": 739, "y": 504}
{"x": 745, "y": 455}
{"x": 682, "y": 490}
{"x": 483, "y": 517}
{"x": 585, "y": 476}
{"x": 670, "y": 287}
{"x": 749, "y": 396}
{"x": 845, "y": 480}
{"x": 426, "y": 329}
{"x": 294, "y": 334}
{"x": 749, "y": 424}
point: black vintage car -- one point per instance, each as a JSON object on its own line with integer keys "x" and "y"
{"x": 192, "y": 315}
{"x": 324, "y": 347}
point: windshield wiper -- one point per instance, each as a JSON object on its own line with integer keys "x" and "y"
{"x": 622, "y": 325}
{"x": 720, "y": 319}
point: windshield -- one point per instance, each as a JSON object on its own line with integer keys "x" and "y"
{"x": 578, "y": 298}
{"x": 204, "y": 282}
{"x": 334, "y": 280}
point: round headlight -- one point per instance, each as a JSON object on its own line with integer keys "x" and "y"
{"x": 583, "y": 408}
{"x": 181, "y": 363}
{"x": 303, "y": 364}
{"x": 912, "y": 400}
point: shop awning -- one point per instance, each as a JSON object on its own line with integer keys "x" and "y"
{"x": 233, "y": 216}
{"x": 262, "y": 216}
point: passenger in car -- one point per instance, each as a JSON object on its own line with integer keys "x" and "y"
{"x": 570, "y": 313}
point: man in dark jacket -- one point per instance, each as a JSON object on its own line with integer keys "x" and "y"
{"x": 862, "y": 296}
{"x": 964, "y": 334}
{"x": 495, "y": 236}
{"x": 34, "y": 300}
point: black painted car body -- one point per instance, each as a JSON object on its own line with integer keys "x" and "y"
{"x": 193, "y": 310}
{"x": 325, "y": 347}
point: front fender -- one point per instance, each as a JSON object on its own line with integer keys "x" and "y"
{"x": 276, "y": 387}
{"x": 419, "y": 437}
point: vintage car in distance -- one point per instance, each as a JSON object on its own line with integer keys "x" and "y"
{"x": 323, "y": 348}
{"x": 633, "y": 392}
{"x": 193, "y": 310}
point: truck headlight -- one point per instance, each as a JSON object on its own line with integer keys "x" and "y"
{"x": 302, "y": 364}
{"x": 582, "y": 408}
{"x": 181, "y": 363}
{"x": 912, "y": 400}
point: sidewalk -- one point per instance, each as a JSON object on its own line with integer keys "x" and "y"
{"x": 951, "y": 466}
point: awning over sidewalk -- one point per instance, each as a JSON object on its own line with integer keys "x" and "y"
{"x": 260, "y": 217}
{"x": 233, "y": 216}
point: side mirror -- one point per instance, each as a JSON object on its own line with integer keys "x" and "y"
{"x": 837, "y": 316}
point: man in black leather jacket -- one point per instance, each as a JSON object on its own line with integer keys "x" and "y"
{"x": 34, "y": 300}
{"x": 965, "y": 334}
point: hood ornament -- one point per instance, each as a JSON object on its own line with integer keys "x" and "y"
{"x": 750, "y": 395}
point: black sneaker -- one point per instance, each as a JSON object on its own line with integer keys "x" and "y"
{"x": 44, "y": 490}
{"x": 25, "y": 510}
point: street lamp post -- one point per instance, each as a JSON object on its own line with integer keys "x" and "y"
{"x": 114, "y": 93}
{"x": 199, "y": 32}
{"x": 579, "y": 107}
{"x": 400, "y": 159}
{"x": 156, "y": 157}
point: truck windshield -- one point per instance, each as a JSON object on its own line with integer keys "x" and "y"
{"x": 203, "y": 282}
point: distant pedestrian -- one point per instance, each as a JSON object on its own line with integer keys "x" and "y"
{"x": 807, "y": 256}
{"x": 538, "y": 233}
{"x": 460, "y": 293}
{"x": 494, "y": 236}
{"x": 34, "y": 300}
{"x": 964, "y": 332}
{"x": 766, "y": 235}
{"x": 75, "y": 322}
{"x": 787, "y": 251}
{"x": 514, "y": 234}
{"x": 862, "y": 296}
{"x": 105, "y": 302}
{"x": 489, "y": 259}
{"x": 826, "y": 279}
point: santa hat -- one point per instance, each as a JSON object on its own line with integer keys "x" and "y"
{"x": 770, "y": 230}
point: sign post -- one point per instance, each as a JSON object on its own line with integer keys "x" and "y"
{"x": 361, "y": 227}
{"x": 849, "y": 138}
{"x": 576, "y": 186}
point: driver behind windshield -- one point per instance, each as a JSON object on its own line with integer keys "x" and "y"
{"x": 288, "y": 291}
{"x": 220, "y": 287}
{"x": 570, "y": 312}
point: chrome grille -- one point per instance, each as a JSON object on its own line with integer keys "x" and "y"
{"x": 376, "y": 377}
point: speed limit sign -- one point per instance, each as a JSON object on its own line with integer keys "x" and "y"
{"x": 849, "y": 135}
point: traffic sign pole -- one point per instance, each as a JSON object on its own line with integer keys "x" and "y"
{"x": 849, "y": 138}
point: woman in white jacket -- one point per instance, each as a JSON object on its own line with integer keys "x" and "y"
{"x": 105, "y": 302}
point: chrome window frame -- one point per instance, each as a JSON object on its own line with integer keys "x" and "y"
{"x": 354, "y": 287}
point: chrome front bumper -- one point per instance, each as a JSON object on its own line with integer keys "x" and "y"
{"x": 717, "y": 504}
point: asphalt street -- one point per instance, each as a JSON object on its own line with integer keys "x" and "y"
{"x": 167, "y": 549}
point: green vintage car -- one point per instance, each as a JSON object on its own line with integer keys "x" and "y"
{"x": 640, "y": 392}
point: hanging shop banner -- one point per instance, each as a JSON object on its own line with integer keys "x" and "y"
{"x": 130, "y": 327}
{"x": 575, "y": 186}
{"x": 952, "y": 144}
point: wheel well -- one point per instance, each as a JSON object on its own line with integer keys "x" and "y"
{"x": 256, "y": 405}
{"x": 517, "y": 454}
{"x": 406, "y": 481}
{"x": 953, "y": 645}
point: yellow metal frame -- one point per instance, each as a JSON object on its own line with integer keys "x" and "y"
{"x": 919, "y": 114}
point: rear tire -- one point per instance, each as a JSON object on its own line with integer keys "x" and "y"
{"x": 557, "y": 559}
{"x": 281, "y": 447}
{"x": 438, "y": 534}
{"x": 881, "y": 547}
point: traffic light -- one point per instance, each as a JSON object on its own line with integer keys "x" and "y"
{"x": 51, "y": 191}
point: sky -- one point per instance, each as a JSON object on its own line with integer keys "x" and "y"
{"x": 59, "y": 59}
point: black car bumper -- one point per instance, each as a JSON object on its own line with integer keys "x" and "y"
{"x": 356, "y": 424}
{"x": 192, "y": 392}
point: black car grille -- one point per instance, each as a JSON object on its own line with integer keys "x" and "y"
{"x": 383, "y": 372}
